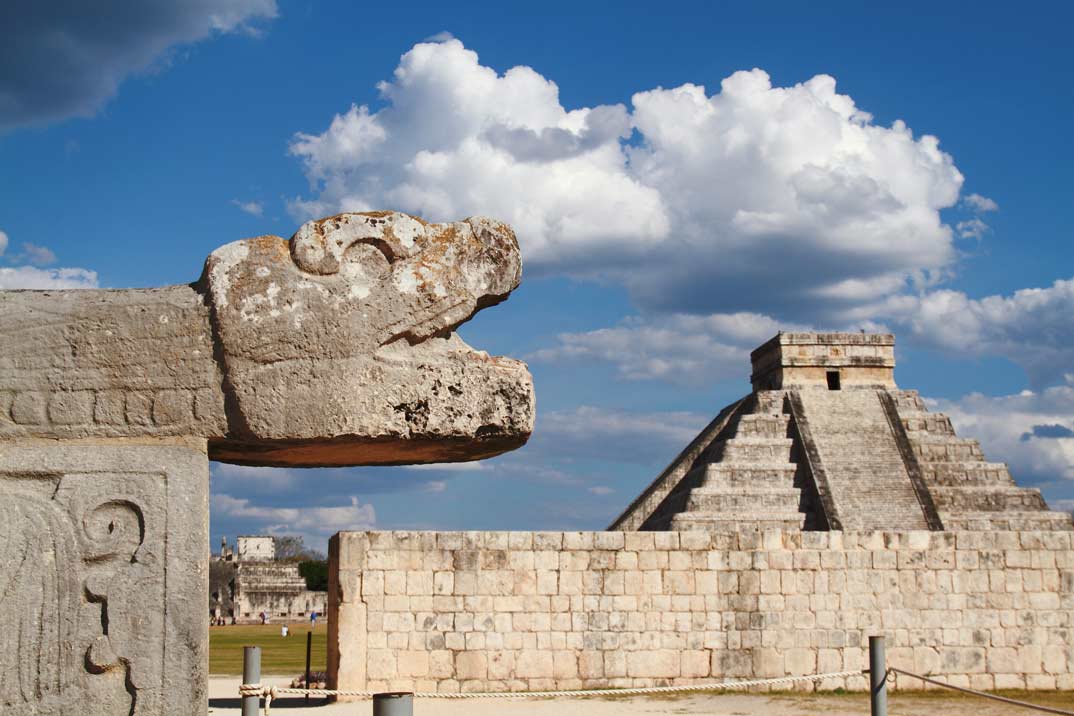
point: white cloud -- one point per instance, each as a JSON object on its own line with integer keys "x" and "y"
{"x": 436, "y": 486}
{"x": 1032, "y": 327}
{"x": 980, "y": 204}
{"x": 681, "y": 349}
{"x": 1031, "y": 431}
{"x": 692, "y": 200}
{"x": 67, "y": 58}
{"x": 3, "y": 242}
{"x": 315, "y": 524}
{"x": 972, "y": 229}
{"x": 442, "y": 36}
{"x": 36, "y": 278}
{"x": 36, "y": 255}
{"x": 601, "y": 490}
{"x": 562, "y": 437}
{"x": 253, "y": 208}
{"x": 449, "y": 467}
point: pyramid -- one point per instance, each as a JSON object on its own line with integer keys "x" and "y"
{"x": 827, "y": 441}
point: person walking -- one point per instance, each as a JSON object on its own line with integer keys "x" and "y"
{"x": 313, "y": 618}
{"x": 284, "y": 631}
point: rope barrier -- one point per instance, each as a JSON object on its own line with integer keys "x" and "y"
{"x": 984, "y": 694}
{"x": 272, "y": 692}
{"x": 268, "y": 693}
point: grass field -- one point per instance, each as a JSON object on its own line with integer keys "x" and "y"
{"x": 279, "y": 656}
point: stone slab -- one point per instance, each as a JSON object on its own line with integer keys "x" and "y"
{"x": 103, "y": 585}
{"x": 336, "y": 347}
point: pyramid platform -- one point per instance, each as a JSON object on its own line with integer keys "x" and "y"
{"x": 827, "y": 441}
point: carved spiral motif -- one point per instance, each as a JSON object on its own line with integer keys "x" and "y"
{"x": 114, "y": 528}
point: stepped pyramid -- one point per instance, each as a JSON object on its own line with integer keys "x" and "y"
{"x": 827, "y": 441}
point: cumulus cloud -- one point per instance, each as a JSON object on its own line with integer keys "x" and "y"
{"x": 33, "y": 277}
{"x": 1031, "y": 327}
{"x": 1032, "y": 431}
{"x": 253, "y": 208}
{"x": 36, "y": 278}
{"x": 35, "y": 255}
{"x": 979, "y": 204}
{"x": 314, "y": 524}
{"x": 67, "y": 58}
{"x": 681, "y": 349}
{"x": 692, "y": 199}
{"x": 972, "y": 228}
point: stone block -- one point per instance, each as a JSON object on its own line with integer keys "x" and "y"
{"x": 534, "y": 664}
{"x": 658, "y": 663}
{"x": 471, "y": 665}
{"x": 105, "y": 563}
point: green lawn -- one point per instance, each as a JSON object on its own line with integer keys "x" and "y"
{"x": 279, "y": 656}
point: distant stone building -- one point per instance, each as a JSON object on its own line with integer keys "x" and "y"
{"x": 255, "y": 548}
{"x": 247, "y": 581}
{"x": 827, "y": 441}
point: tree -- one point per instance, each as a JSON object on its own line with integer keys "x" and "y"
{"x": 315, "y": 573}
{"x": 291, "y": 548}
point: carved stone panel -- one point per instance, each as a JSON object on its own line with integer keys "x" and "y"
{"x": 103, "y": 556}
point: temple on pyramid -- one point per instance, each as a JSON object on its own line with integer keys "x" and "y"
{"x": 827, "y": 441}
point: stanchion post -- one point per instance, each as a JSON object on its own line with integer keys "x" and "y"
{"x": 251, "y": 674}
{"x": 397, "y": 703}
{"x": 878, "y": 677}
{"x": 309, "y": 646}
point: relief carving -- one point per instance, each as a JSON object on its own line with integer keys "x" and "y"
{"x": 82, "y": 587}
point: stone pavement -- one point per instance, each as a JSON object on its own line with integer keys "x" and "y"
{"x": 223, "y": 701}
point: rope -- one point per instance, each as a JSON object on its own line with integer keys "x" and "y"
{"x": 983, "y": 694}
{"x": 271, "y": 692}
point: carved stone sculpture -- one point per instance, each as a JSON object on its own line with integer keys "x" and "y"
{"x": 334, "y": 348}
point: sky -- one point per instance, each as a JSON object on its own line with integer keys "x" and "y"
{"x": 684, "y": 184}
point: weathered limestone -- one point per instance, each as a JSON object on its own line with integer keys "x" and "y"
{"x": 517, "y": 611}
{"x": 827, "y": 441}
{"x": 336, "y": 348}
{"x": 104, "y": 579}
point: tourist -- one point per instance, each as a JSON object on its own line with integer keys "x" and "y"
{"x": 313, "y": 618}
{"x": 283, "y": 630}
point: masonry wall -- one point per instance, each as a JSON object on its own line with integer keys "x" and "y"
{"x": 475, "y": 611}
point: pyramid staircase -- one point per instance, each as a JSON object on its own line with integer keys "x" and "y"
{"x": 970, "y": 493}
{"x": 748, "y": 477}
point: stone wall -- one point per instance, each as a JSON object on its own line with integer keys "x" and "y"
{"x": 476, "y": 611}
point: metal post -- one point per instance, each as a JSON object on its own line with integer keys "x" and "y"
{"x": 878, "y": 673}
{"x": 398, "y": 703}
{"x": 251, "y": 674}
{"x": 309, "y": 645}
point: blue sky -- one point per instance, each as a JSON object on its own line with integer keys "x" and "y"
{"x": 683, "y": 182}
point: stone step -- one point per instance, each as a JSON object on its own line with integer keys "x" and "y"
{"x": 867, "y": 480}
{"x": 720, "y": 474}
{"x": 761, "y": 450}
{"x": 738, "y": 500}
{"x": 919, "y": 421}
{"x": 974, "y": 472}
{"x": 987, "y": 499}
{"x": 741, "y": 521}
{"x": 942, "y": 448}
{"x": 995, "y": 521}
{"x": 908, "y": 400}
{"x": 770, "y": 402}
{"x": 763, "y": 425}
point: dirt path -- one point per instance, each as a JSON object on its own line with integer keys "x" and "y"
{"x": 224, "y": 702}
